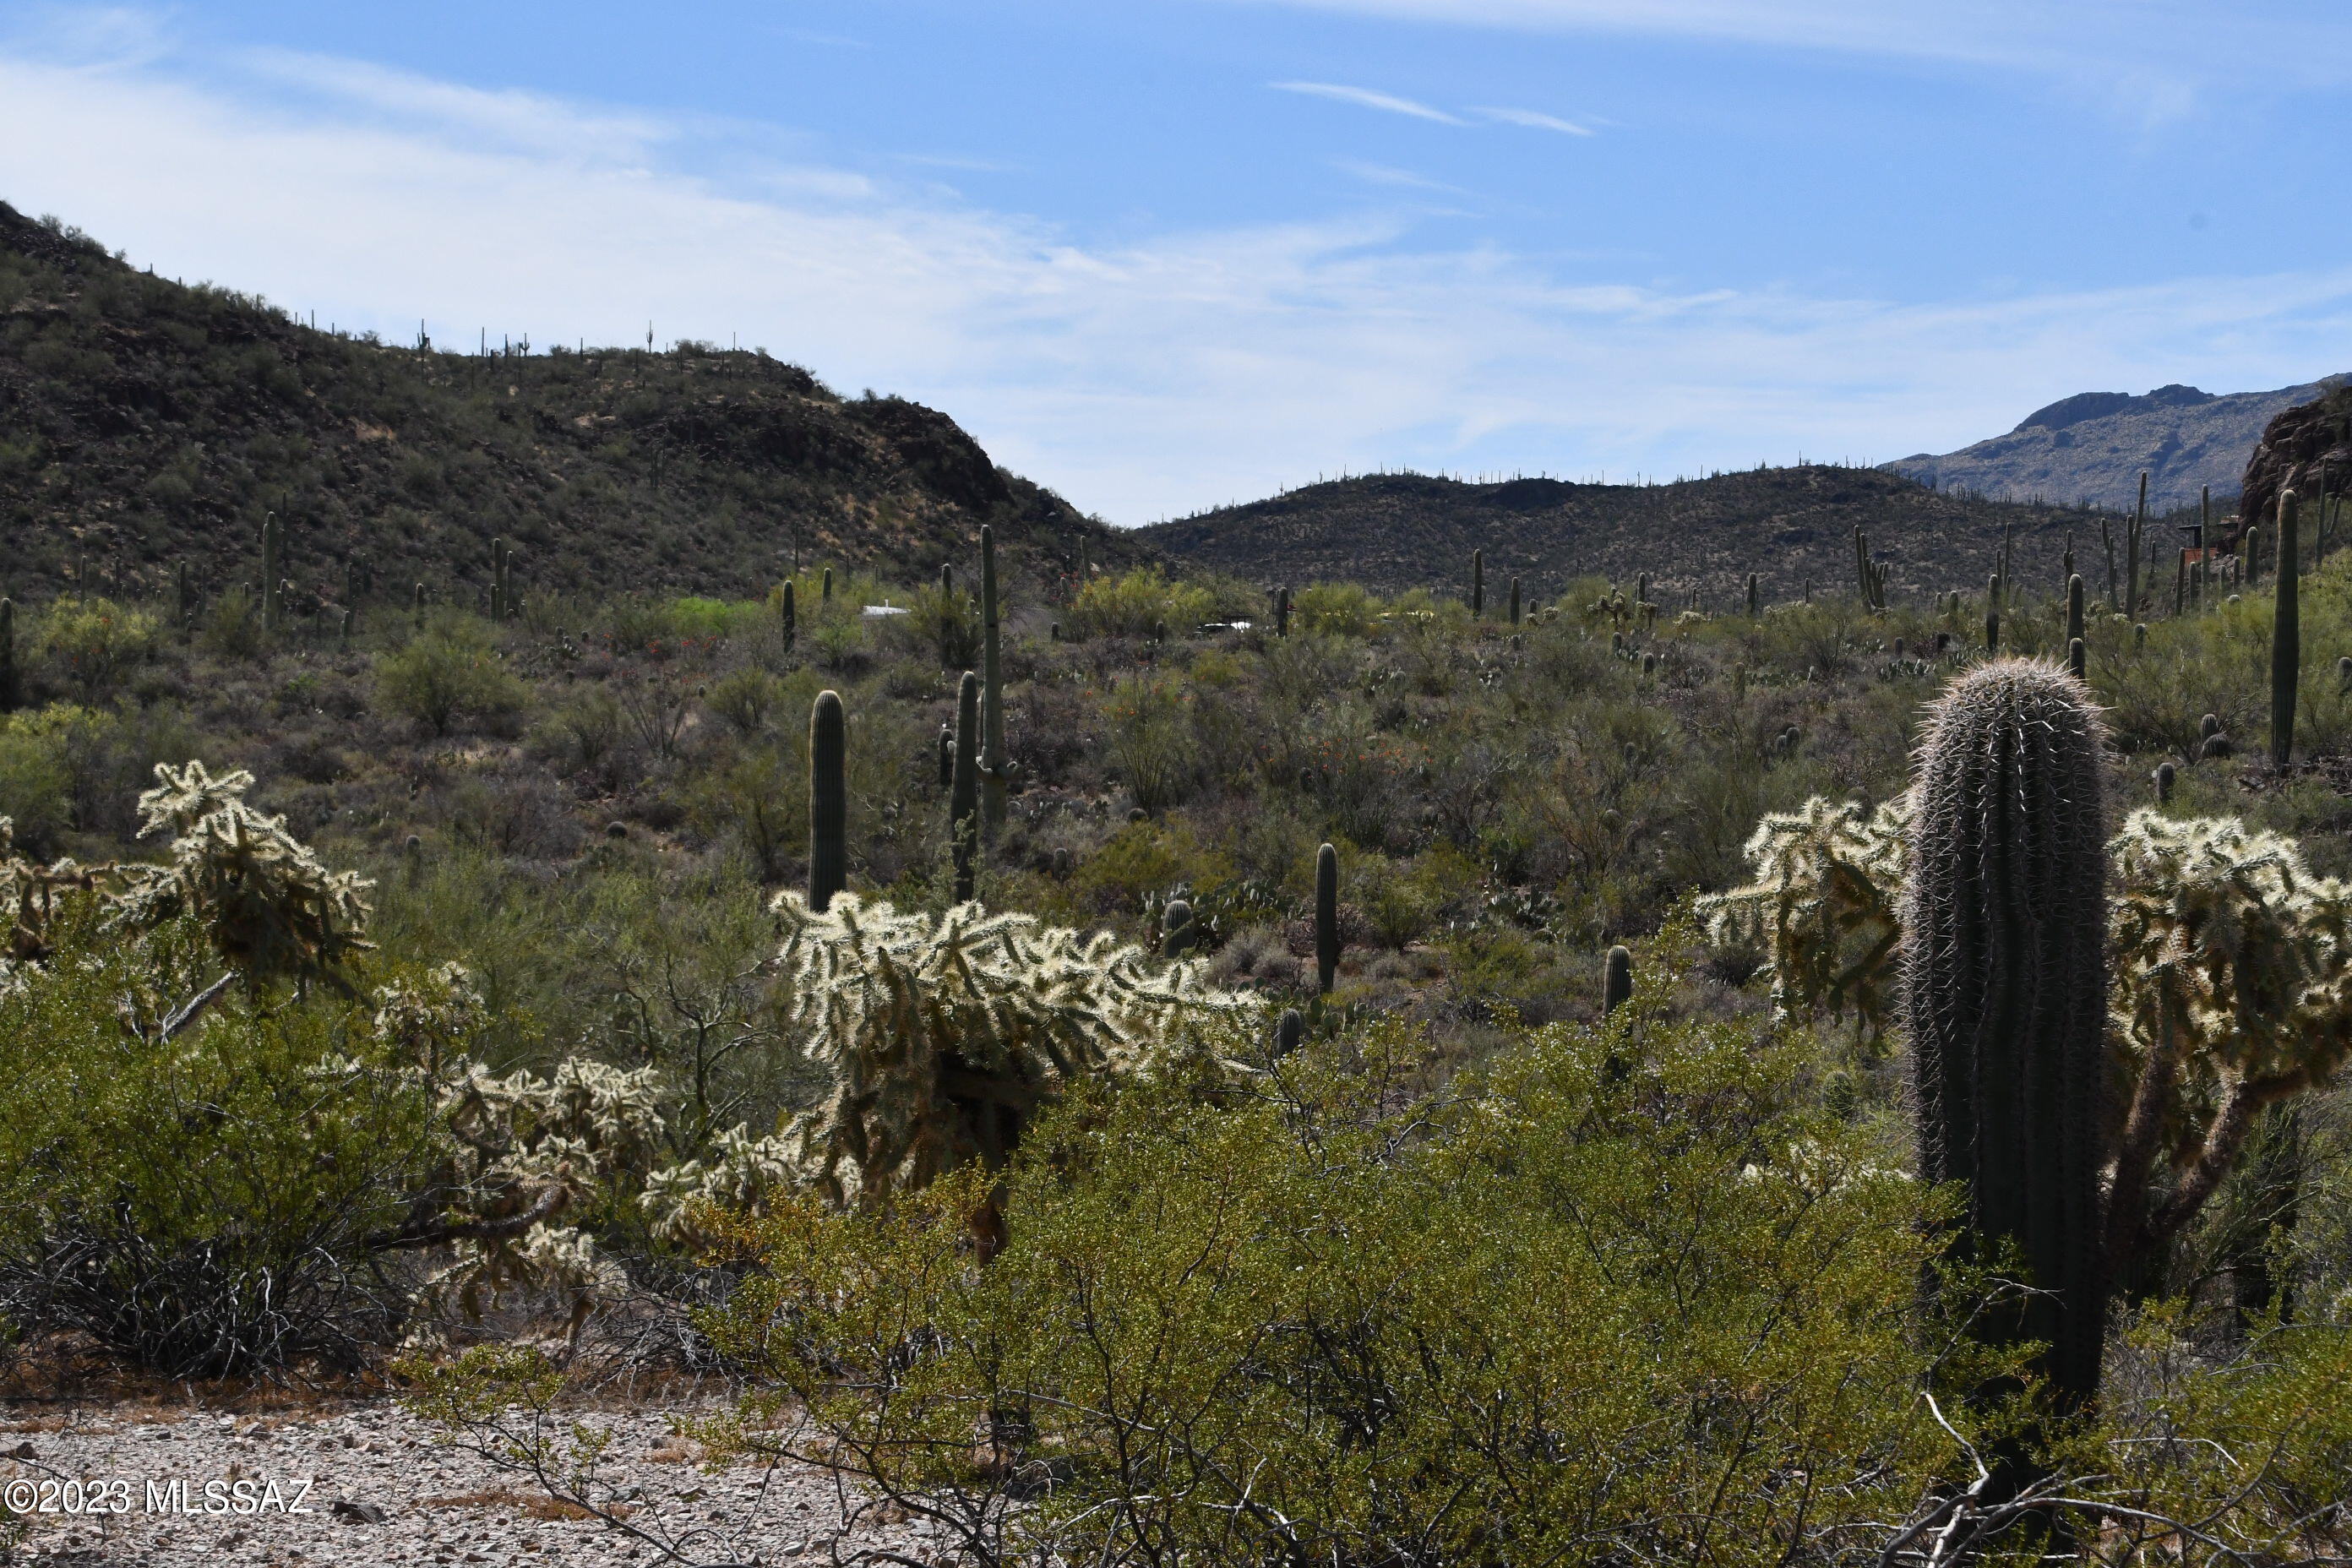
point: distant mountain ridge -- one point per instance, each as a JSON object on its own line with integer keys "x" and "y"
{"x": 1789, "y": 526}
{"x": 2092, "y": 448}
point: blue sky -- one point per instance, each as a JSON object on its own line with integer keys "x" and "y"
{"x": 1160, "y": 253}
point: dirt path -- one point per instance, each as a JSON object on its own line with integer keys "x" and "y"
{"x": 362, "y": 1484}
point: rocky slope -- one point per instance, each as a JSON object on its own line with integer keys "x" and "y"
{"x": 1791, "y": 526}
{"x": 2093, "y": 447}
{"x": 144, "y": 425}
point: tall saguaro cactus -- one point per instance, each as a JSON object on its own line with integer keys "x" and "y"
{"x": 1754, "y": 608}
{"x": 1992, "y": 614}
{"x": 1515, "y": 601}
{"x": 272, "y": 565}
{"x": 788, "y": 615}
{"x": 963, "y": 788}
{"x": 2074, "y": 593}
{"x": 1327, "y": 918}
{"x": 2286, "y": 635}
{"x": 2004, "y": 958}
{"x": 996, "y": 767}
{"x": 828, "y": 801}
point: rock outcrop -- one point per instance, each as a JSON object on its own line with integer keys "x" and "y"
{"x": 2306, "y": 448}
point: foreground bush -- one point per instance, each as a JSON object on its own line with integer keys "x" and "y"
{"x": 1632, "y": 1298}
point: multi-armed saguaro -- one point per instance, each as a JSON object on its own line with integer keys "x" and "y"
{"x": 2005, "y": 978}
{"x": 828, "y": 801}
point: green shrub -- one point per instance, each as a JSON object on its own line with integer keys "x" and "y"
{"x": 1137, "y": 604}
{"x": 1605, "y": 1305}
{"x": 451, "y": 669}
{"x": 94, "y": 641}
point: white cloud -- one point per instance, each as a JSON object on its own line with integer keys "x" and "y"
{"x": 1365, "y": 98}
{"x": 1535, "y": 120}
{"x": 1181, "y": 370}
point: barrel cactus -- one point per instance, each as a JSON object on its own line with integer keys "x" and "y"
{"x": 1616, "y": 979}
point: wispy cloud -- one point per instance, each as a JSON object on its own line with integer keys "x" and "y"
{"x": 2147, "y": 51}
{"x": 1399, "y": 179}
{"x": 1365, "y": 98}
{"x": 1535, "y": 120}
{"x": 1185, "y": 368}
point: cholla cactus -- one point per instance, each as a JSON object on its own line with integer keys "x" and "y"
{"x": 2233, "y": 990}
{"x": 932, "y": 1026}
{"x": 523, "y": 1151}
{"x": 1822, "y": 904}
{"x": 271, "y": 909}
{"x": 737, "y": 1176}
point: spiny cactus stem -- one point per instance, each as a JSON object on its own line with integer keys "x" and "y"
{"x": 828, "y": 801}
{"x": 2286, "y": 635}
{"x": 963, "y": 794}
{"x": 1327, "y": 918}
{"x": 1616, "y": 979}
{"x": 995, "y": 774}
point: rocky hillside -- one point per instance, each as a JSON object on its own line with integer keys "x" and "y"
{"x": 1791, "y": 526}
{"x": 143, "y": 425}
{"x": 2093, "y": 447}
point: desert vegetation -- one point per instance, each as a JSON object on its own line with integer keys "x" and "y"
{"x": 1137, "y": 1067}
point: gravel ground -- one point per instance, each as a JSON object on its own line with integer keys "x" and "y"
{"x": 379, "y": 1490}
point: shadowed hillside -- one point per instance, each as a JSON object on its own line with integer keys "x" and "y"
{"x": 144, "y": 423}
{"x": 1789, "y": 525}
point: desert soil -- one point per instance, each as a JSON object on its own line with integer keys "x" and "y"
{"x": 375, "y": 1486}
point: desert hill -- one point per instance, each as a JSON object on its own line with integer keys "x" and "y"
{"x": 144, "y": 423}
{"x": 1791, "y": 526}
{"x": 2093, "y": 447}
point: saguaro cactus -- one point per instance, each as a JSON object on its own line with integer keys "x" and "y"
{"x": 1281, "y": 611}
{"x": 2073, "y": 608}
{"x": 963, "y": 791}
{"x": 1515, "y": 601}
{"x": 7, "y": 655}
{"x": 416, "y": 606}
{"x": 1992, "y": 614}
{"x": 2167, "y": 775}
{"x": 788, "y": 615}
{"x": 2286, "y": 635}
{"x": 828, "y": 801}
{"x": 1176, "y": 931}
{"x": 2004, "y": 957}
{"x": 2076, "y": 659}
{"x": 996, "y": 767}
{"x": 1616, "y": 979}
{"x": 947, "y": 756}
{"x": 825, "y": 586}
{"x": 1478, "y": 584}
{"x": 1289, "y": 1031}
{"x": 272, "y": 567}
{"x": 1327, "y": 918}
{"x": 1754, "y": 606}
